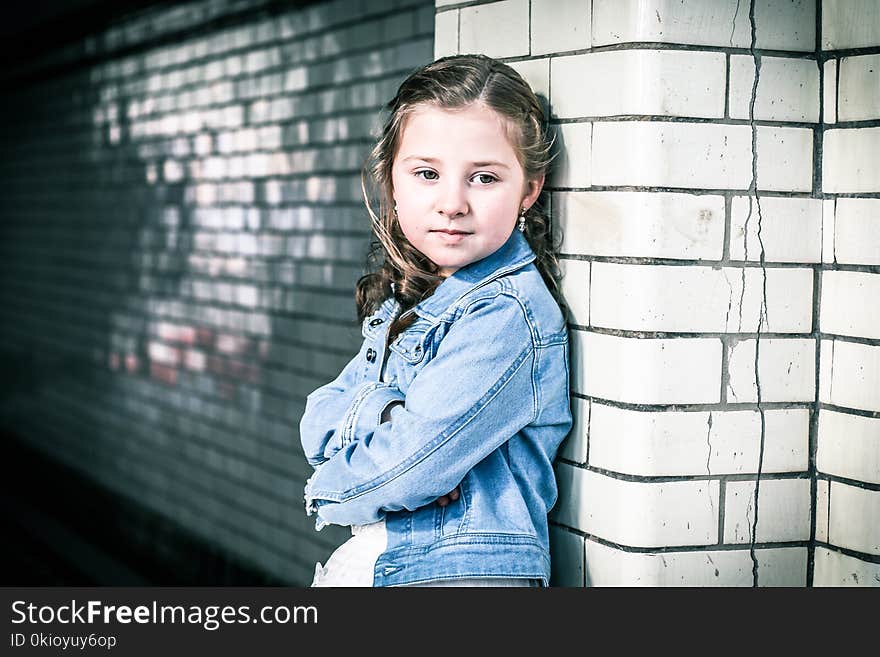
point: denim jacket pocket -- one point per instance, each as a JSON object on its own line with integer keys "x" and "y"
{"x": 411, "y": 346}
{"x": 453, "y": 517}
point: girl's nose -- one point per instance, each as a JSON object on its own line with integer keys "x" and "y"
{"x": 452, "y": 201}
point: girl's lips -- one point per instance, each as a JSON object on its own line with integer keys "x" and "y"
{"x": 450, "y": 236}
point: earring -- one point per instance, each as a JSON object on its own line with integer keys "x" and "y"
{"x": 395, "y": 208}
{"x": 522, "y": 220}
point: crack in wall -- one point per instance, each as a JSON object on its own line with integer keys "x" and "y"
{"x": 709, "y": 443}
{"x": 729, "y": 301}
{"x": 762, "y": 313}
{"x": 733, "y": 26}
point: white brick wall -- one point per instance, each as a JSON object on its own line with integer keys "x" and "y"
{"x": 776, "y": 567}
{"x": 849, "y": 446}
{"x": 859, "y": 89}
{"x": 670, "y": 272}
{"x": 850, "y": 375}
{"x": 661, "y": 444}
{"x": 852, "y": 518}
{"x": 834, "y": 568}
{"x": 849, "y": 24}
{"x": 783, "y": 510}
{"x": 639, "y": 514}
{"x": 699, "y": 299}
{"x": 786, "y": 370}
{"x": 850, "y": 160}
{"x": 850, "y": 304}
{"x": 651, "y": 371}
{"x": 560, "y": 25}
{"x": 855, "y": 231}
{"x": 660, "y": 82}
{"x": 657, "y": 225}
{"x": 701, "y": 156}
{"x": 782, "y": 25}
{"x": 788, "y": 89}
{"x": 497, "y": 29}
{"x": 790, "y": 229}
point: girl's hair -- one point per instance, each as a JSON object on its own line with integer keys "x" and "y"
{"x": 450, "y": 82}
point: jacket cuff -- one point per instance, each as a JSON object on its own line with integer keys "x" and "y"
{"x": 367, "y": 412}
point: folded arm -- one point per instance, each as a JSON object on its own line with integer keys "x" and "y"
{"x": 471, "y": 397}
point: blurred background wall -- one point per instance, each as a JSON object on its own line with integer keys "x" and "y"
{"x": 181, "y": 233}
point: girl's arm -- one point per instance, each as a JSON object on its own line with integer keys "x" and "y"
{"x": 475, "y": 394}
{"x": 326, "y": 412}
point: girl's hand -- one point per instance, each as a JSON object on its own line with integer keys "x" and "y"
{"x": 450, "y": 497}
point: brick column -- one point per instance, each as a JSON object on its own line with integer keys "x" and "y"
{"x": 848, "y": 441}
{"x": 689, "y": 192}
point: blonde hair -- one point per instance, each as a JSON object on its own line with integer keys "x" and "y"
{"x": 449, "y": 83}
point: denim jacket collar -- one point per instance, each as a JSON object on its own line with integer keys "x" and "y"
{"x": 512, "y": 255}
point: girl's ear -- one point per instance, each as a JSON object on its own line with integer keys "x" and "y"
{"x": 533, "y": 190}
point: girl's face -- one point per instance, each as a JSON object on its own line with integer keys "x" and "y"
{"x": 458, "y": 184}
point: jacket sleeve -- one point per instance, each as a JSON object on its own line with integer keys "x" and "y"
{"x": 472, "y": 396}
{"x": 326, "y": 411}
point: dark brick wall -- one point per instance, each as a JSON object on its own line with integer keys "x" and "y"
{"x": 181, "y": 233}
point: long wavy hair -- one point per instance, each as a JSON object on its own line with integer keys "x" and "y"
{"x": 449, "y": 83}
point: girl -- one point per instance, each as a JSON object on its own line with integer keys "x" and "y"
{"x": 435, "y": 443}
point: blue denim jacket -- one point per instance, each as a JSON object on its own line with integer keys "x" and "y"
{"x": 484, "y": 374}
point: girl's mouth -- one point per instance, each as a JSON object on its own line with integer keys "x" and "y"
{"x": 450, "y": 236}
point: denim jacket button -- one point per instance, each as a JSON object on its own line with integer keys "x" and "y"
{"x": 376, "y": 322}
{"x": 371, "y": 355}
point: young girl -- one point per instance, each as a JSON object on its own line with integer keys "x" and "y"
{"x": 435, "y": 443}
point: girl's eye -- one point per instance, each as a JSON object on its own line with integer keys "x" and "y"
{"x": 427, "y": 174}
{"x": 484, "y": 178}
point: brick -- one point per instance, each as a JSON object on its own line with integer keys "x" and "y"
{"x": 560, "y": 25}
{"x": 566, "y": 558}
{"x": 497, "y": 29}
{"x": 699, "y": 299}
{"x": 650, "y": 82}
{"x": 607, "y": 566}
{"x": 651, "y": 371}
{"x": 787, "y": 371}
{"x": 572, "y": 167}
{"x": 822, "y": 510}
{"x": 446, "y": 34}
{"x": 850, "y": 375}
{"x": 700, "y": 156}
{"x": 537, "y": 73}
{"x": 829, "y": 91}
{"x": 780, "y": 25}
{"x": 832, "y": 568}
{"x": 851, "y": 160}
{"x": 576, "y": 289}
{"x": 788, "y": 89}
{"x": 850, "y": 304}
{"x": 657, "y": 225}
{"x": 856, "y": 231}
{"x": 638, "y": 514}
{"x": 574, "y": 448}
{"x": 783, "y": 511}
{"x": 850, "y": 24}
{"x": 675, "y": 443}
{"x": 790, "y": 229}
{"x": 852, "y": 521}
{"x": 859, "y": 92}
{"x": 828, "y": 237}
{"x": 849, "y": 446}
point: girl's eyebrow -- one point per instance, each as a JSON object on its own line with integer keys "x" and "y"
{"x": 434, "y": 160}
